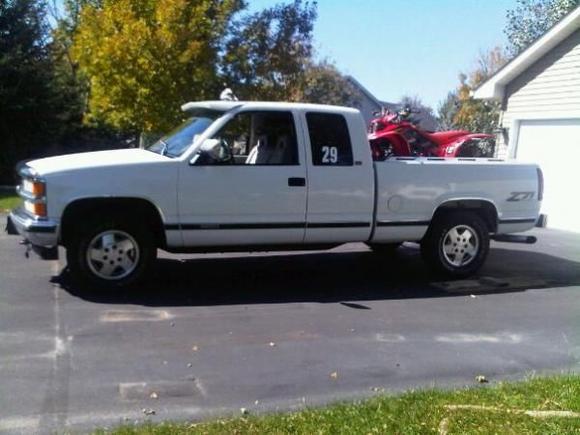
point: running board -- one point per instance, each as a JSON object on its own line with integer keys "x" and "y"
{"x": 513, "y": 238}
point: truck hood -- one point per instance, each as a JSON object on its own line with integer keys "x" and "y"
{"x": 69, "y": 162}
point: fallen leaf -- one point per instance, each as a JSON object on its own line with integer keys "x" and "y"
{"x": 148, "y": 411}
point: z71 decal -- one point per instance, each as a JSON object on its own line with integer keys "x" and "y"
{"x": 520, "y": 196}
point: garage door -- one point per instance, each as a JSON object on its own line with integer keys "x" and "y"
{"x": 555, "y": 145}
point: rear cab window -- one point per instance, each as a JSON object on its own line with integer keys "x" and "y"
{"x": 329, "y": 139}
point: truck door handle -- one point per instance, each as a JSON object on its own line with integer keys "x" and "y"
{"x": 296, "y": 182}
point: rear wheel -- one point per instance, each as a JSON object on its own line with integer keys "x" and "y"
{"x": 457, "y": 243}
{"x": 112, "y": 254}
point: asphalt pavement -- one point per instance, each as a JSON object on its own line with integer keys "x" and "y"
{"x": 209, "y": 335}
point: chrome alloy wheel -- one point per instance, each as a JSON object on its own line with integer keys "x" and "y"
{"x": 112, "y": 255}
{"x": 460, "y": 245}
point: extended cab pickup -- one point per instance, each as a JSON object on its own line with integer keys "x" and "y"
{"x": 267, "y": 176}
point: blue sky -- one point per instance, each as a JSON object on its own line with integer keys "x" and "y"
{"x": 414, "y": 47}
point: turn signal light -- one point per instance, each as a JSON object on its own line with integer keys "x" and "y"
{"x": 35, "y": 208}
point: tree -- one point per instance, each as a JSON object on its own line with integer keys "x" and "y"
{"x": 322, "y": 83}
{"x": 143, "y": 58}
{"x": 27, "y": 103}
{"x": 447, "y": 111}
{"x": 480, "y": 116}
{"x": 71, "y": 84}
{"x": 460, "y": 110}
{"x": 425, "y": 118}
{"x": 268, "y": 53}
{"x": 530, "y": 19}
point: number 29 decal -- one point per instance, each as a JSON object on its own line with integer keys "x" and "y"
{"x": 329, "y": 155}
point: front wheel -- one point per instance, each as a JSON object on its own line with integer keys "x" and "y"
{"x": 112, "y": 254}
{"x": 457, "y": 244}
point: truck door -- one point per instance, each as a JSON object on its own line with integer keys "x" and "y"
{"x": 255, "y": 195}
{"x": 340, "y": 178}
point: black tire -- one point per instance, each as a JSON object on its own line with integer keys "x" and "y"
{"x": 84, "y": 271}
{"x": 384, "y": 248}
{"x": 460, "y": 253}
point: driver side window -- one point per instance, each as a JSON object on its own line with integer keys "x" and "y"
{"x": 257, "y": 138}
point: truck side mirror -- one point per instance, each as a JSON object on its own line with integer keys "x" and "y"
{"x": 211, "y": 147}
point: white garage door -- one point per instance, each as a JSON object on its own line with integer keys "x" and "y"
{"x": 555, "y": 146}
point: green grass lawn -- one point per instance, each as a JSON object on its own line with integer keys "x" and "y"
{"x": 498, "y": 409}
{"x": 8, "y": 201}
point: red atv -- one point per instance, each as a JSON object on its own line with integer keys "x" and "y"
{"x": 396, "y": 134}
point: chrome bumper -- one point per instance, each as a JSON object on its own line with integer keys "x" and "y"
{"x": 42, "y": 233}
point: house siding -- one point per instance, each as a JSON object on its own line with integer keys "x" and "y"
{"x": 550, "y": 88}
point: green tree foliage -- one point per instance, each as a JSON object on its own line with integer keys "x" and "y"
{"x": 70, "y": 83}
{"x": 268, "y": 52}
{"x": 27, "y": 104}
{"x": 447, "y": 111}
{"x": 322, "y": 83}
{"x": 530, "y": 19}
{"x": 460, "y": 110}
{"x": 478, "y": 116}
{"x": 107, "y": 68}
{"x": 144, "y": 58}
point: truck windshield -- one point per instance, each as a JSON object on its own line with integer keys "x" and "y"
{"x": 182, "y": 137}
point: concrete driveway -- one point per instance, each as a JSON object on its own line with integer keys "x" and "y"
{"x": 209, "y": 335}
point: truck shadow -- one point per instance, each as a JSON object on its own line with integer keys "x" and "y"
{"x": 347, "y": 277}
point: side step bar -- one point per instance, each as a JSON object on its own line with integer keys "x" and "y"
{"x": 513, "y": 238}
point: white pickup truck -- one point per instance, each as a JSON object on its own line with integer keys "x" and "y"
{"x": 262, "y": 176}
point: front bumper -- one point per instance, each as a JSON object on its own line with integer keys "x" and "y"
{"x": 42, "y": 233}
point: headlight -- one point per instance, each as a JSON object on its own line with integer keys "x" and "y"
{"x": 35, "y": 188}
